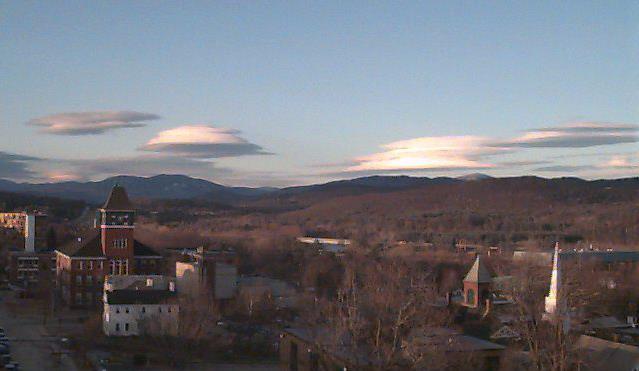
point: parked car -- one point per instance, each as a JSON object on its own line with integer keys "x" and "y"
{"x": 5, "y": 359}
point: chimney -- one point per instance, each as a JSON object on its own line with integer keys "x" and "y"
{"x": 29, "y": 233}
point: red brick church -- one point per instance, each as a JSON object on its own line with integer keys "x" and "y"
{"x": 109, "y": 249}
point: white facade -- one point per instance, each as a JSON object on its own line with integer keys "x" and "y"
{"x": 30, "y": 233}
{"x": 139, "y": 319}
{"x": 150, "y": 310}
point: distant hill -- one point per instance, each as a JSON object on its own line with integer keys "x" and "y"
{"x": 155, "y": 187}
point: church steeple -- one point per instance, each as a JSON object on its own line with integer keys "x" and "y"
{"x": 554, "y": 303}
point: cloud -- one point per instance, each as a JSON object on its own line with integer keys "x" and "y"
{"x": 88, "y": 123}
{"x": 565, "y": 168}
{"x": 18, "y": 167}
{"x": 202, "y": 141}
{"x": 622, "y": 162}
{"x": 576, "y": 135}
{"x": 429, "y": 153}
{"x": 523, "y": 163}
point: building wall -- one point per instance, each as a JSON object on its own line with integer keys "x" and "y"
{"x": 30, "y": 266}
{"x": 109, "y": 235}
{"x": 141, "y": 319}
{"x": 80, "y": 280}
{"x": 188, "y": 278}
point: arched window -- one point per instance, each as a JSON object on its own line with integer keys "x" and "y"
{"x": 470, "y": 296}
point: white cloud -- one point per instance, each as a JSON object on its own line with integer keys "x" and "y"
{"x": 87, "y": 123}
{"x": 202, "y": 141}
{"x": 429, "y": 153}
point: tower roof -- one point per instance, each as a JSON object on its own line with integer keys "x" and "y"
{"x": 118, "y": 199}
{"x": 478, "y": 273}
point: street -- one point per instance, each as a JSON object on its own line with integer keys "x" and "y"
{"x": 31, "y": 346}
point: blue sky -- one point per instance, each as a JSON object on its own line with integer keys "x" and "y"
{"x": 278, "y": 93}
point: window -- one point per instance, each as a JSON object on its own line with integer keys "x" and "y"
{"x": 89, "y": 279}
{"x": 292, "y": 358}
{"x": 120, "y": 243}
{"x": 117, "y": 327}
{"x": 470, "y": 296}
{"x": 81, "y": 265}
{"x": 78, "y": 279}
{"x": 168, "y": 309}
{"x": 90, "y": 264}
{"x": 143, "y": 310}
{"x": 160, "y": 309}
{"x": 117, "y": 310}
{"x": 126, "y": 327}
{"x": 126, "y": 310}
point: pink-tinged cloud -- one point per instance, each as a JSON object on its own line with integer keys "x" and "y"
{"x": 622, "y": 162}
{"x": 88, "y": 123}
{"x": 202, "y": 141}
{"x": 575, "y": 135}
{"x": 429, "y": 153}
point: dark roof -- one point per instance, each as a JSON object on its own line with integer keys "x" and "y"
{"x": 600, "y": 354}
{"x": 90, "y": 245}
{"x": 118, "y": 200}
{"x": 140, "y": 249}
{"x": 478, "y": 273}
{"x": 132, "y": 296}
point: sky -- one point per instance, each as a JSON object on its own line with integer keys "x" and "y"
{"x": 279, "y": 93}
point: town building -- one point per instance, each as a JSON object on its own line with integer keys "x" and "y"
{"x": 595, "y": 354}
{"x": 211, "y": 272}
{"x": 309, "y": 349}
{"x": 34, "y": 263}
{"x": 109, "y": 249}
{"x": 140, "y": 305}
{"x": 334, "y": 245}
{"x": 477, "y": 284}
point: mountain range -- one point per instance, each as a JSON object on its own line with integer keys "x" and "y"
{"x": 184, "y": 187}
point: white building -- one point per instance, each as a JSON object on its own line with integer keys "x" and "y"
{"x": 334, "y": 245}
{"x": 140, "y": 305}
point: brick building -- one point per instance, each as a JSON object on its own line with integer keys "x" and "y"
{"x": 109, "y": 249}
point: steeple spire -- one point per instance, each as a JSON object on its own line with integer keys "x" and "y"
{"x": 554, "y": 303}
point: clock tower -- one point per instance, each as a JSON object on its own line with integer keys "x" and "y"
{"x": 116, "y": 220}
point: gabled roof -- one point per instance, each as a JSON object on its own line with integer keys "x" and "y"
{"x": 478, "y": 273}
{"x": 140, "y": 249}
{"x": 602, "y": 354}
{"x": 89, "y": 245}
{"x": 118, "y": 200}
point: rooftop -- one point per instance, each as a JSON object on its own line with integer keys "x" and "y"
{"x": 478, "y": 273}
{"x": 118, "y": 200}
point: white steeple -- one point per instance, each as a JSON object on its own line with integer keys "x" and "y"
{"x": 554, "y": 304}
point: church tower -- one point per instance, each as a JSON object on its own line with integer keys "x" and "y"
{"x": 116, "y": 222}
{"x": 477, "y": 284}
